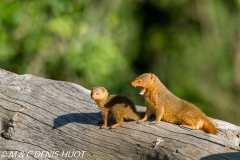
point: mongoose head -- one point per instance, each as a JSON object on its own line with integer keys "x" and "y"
{"x": 146, "y": 82}
{"x": 98, "y": 93}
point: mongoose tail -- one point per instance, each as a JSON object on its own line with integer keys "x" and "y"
{"x": 209, "y": 127}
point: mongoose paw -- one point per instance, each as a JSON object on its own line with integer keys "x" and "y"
{"x": 113, "y": 127}
{"x": 140, "y": 121}
{"x": 102, "y": 127}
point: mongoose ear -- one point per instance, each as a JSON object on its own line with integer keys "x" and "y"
{"x": 103, "y": 89}
{"x": 151, "y": 77}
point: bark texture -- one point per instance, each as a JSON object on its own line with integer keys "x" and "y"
{"x": 47, "y": 119}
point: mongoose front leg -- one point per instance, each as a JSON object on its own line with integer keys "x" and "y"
{"x": 147, "y": 114}
{"x": 105, "y": 118}
{"x": 159, "y": 114}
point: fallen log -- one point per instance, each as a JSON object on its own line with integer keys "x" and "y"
{"x": 47, "y": 119}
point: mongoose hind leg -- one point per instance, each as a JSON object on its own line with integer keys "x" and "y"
{"x": 119, "y": 123}
{"x": 188, "y": 121}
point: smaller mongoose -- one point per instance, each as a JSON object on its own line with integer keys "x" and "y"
{"x": 167, "y": 107}
{"x": 122, "y": 108}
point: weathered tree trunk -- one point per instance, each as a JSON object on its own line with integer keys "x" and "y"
{"x": 47, "y": 119}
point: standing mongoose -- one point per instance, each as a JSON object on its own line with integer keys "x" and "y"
{"x": 122, "y": 108}
{"x": 166, "y": 106}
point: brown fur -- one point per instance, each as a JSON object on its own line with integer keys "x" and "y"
{"x": 166, "y": 106}
{"x": 120, "y": 107}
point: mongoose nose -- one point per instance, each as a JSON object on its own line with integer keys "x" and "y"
{"x": 132, "y": 83}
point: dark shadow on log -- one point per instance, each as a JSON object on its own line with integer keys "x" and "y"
{"x": 230, "y": 156}
{"x": 155, "y": 157}
{"x": 84, "y": 118}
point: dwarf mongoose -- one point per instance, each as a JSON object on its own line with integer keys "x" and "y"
{"x": 122, "y": 108}
{"x": 166, "y": 106}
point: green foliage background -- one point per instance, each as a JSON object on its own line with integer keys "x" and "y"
{"x": 193, "y": 46}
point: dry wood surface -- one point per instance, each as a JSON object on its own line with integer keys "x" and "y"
{"x": 47, "y": 119}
